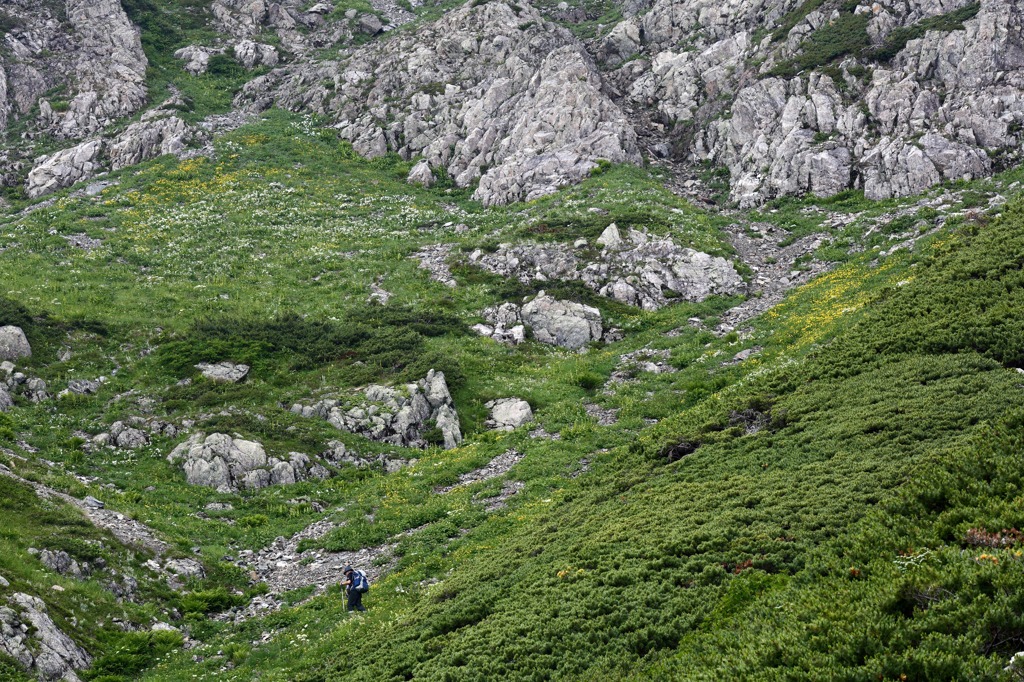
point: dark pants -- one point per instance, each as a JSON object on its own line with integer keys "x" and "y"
{"x": 355, "y": 601}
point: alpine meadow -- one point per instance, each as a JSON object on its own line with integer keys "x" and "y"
{"x": 383, "y": 340}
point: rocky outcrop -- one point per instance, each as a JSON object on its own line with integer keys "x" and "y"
{"x": 87, "y": 49}
{"x": 227, "y": 372}
{"x": 13, "y": 344}
{"x": 488, "y": 92}
{"x": 155, "y": 135}
{"x": 64, "y": 168}
{"x": 63, "y": 563}
{"x": 159, "y": 132}
{"x": 30, "y": 637}
{"x": 110, "y": 73}
{"x": 504, "y": 324}
{"x": 892, "y": 122}
{"x": 232, "y": 464}
{"x": 637, "y": 269}
{"x": 508, "y": 414}
{"x": 558, "y": 323}
{"x": 403, "y": 415}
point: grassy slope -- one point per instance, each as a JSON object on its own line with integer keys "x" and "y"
{"x": 636, "y": 567}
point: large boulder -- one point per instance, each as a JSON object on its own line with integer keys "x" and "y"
{"x": 13, "y": 344}
{"x": 562, "y": 323}
{"x": 231, "y": 464}
{"x": 508, "y": 414}
{"x": 5, "y": 399}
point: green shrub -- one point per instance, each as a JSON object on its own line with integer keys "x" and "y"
{"x": 129, "y": 653}
{"x": 847, "y": 35}
{"x": 210, "y": 601}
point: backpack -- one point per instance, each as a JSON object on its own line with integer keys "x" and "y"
{"x": 360, "y": 583}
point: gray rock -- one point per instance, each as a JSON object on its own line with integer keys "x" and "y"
{"x": 252, "y": 54}
{"x": 421, "y": 175}
{"x": 508, "y": 414}
{"x": 369, "y": 24}
{"x": 35, "y": 390}
{"x": 64, "y": 168}
{"x": 13, "y": 344}
{"x": 228, "y": 372}
{"x": 127, "y": 437}
{"x": 637, "y": 269}
{"x": 61, "y": 562}
{"x": 92, "y": 503}
{"x": 6, "y": 403}
{"x": 185, "y": 568}
{"x": 30, "y": 637}
{"x": 562, "y": 323}
{"x": 7, "y": 367}
{"x": 83, "y": 386}
{"x": 610, "y": 238}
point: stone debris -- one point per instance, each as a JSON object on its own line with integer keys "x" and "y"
{"x": 643, "y": 360}
{"x": 284, "y": 568}
{"x": 226, "y": 372}
{"x": 379, "y": 294}
{"x": 30, "y": 637}
{"x": 401, "y": 415}
{"x": 639, "y": 269}
{"x": 232, "y": 464}
{"x": 602, "y": 415}
{"x": 508, "y": 490}
{"x": 498, "y": 466}
{"x": 434, "y": 259}
{"x": 82, "y": 241}
{"x": 508, "y": 414}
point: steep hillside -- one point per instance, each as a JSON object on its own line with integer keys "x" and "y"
{"x": 530, "y": 312}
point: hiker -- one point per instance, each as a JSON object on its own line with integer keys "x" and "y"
{"x": 356, "y": 584}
